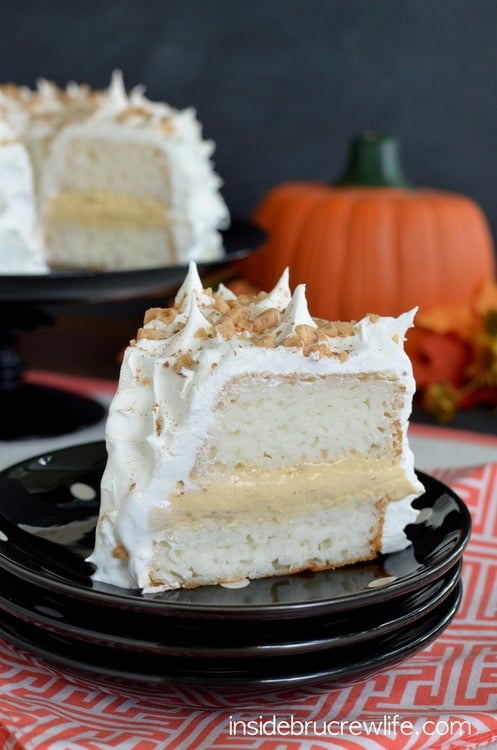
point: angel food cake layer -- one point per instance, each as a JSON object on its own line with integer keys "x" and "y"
{"x": 114, "y": 181}
{"x": 247, "y": 439}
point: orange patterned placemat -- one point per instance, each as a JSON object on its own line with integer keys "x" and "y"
{"x": 84, "y": 385}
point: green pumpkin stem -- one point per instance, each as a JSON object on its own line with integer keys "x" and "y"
{"x": 374, "y": 161}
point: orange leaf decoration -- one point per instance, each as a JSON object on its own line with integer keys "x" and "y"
{"x": 449, "y": 319}
{"x": 437, "y": 358}
{"x": 486, "y": 298}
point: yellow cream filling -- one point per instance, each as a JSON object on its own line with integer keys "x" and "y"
{"x": 296, "y": 492}
{"x": 106, "y": 209}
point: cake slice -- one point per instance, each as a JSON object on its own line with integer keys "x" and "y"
{"x": 247, "y": 439}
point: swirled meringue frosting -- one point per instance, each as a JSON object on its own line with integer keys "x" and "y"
{"x": 248, "y": 439}
{"x": 118, "y": 181}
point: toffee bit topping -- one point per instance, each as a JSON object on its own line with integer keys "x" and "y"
{"x": 244, "y": 318}
{"x": 166, "y": 127}
{"x": 226, "y": 328}
{"x": 337, "y": 329}
{"x": 294, "y": 341}
{"x": 154, "y": 334}
{"x": 266, "y": 320}
{"x": 185, "y": 361}
{"x": 133, "y": 112}
{"x": 220, "y": 304}
{"x": 163, "y": 314}
{"x": 240, "y": 317}
{"x": 120, "y": 552}
{"x": 306, "y": 333}
{"x": 316, "y": 348}
{"x": 266, "y": 341}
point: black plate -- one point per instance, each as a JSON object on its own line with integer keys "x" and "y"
{"x": 46, "y": 531}
{"x": 131, "y": 632}
{"x": 336, "y": 667}
{"x": 239, "y": 240}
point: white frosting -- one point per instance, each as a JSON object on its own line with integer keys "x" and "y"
{"x": 20, "y": 252}
{"x": 48, "y": 118}
{"x": 153, "y": 462}
{"x": 398, "y": 515}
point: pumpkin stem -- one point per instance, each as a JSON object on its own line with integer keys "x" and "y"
{"x": 374, "y": 160}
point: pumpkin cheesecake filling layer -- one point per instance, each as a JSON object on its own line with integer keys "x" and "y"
{"x": 80, "y": 227}
{"x": 105, "y": 209}
{"x": 271, "y": 494}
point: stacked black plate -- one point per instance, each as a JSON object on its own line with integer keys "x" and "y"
{"x": 274, "y": 634}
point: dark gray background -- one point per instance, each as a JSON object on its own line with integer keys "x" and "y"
{"x": 281, "y": 86}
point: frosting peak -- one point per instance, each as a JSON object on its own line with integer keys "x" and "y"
{"x": 267, "y": 320}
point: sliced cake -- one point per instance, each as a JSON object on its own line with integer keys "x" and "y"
{"x": 247, "y": 439}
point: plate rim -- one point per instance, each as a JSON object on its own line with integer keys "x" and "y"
{"x": 363, "y": 668}
{"x": 85, "y": 284}
{"x": 294, "y": 646}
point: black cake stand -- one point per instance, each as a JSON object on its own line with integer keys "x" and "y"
{"x": 28, "y": 410}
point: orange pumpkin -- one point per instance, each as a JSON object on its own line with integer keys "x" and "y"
{"x": 371, "y": 243}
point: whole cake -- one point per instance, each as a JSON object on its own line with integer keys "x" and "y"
{"x": 19, "y": 247}
{"x": 116, "y": 181}
{"x": 247, "y": 439}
